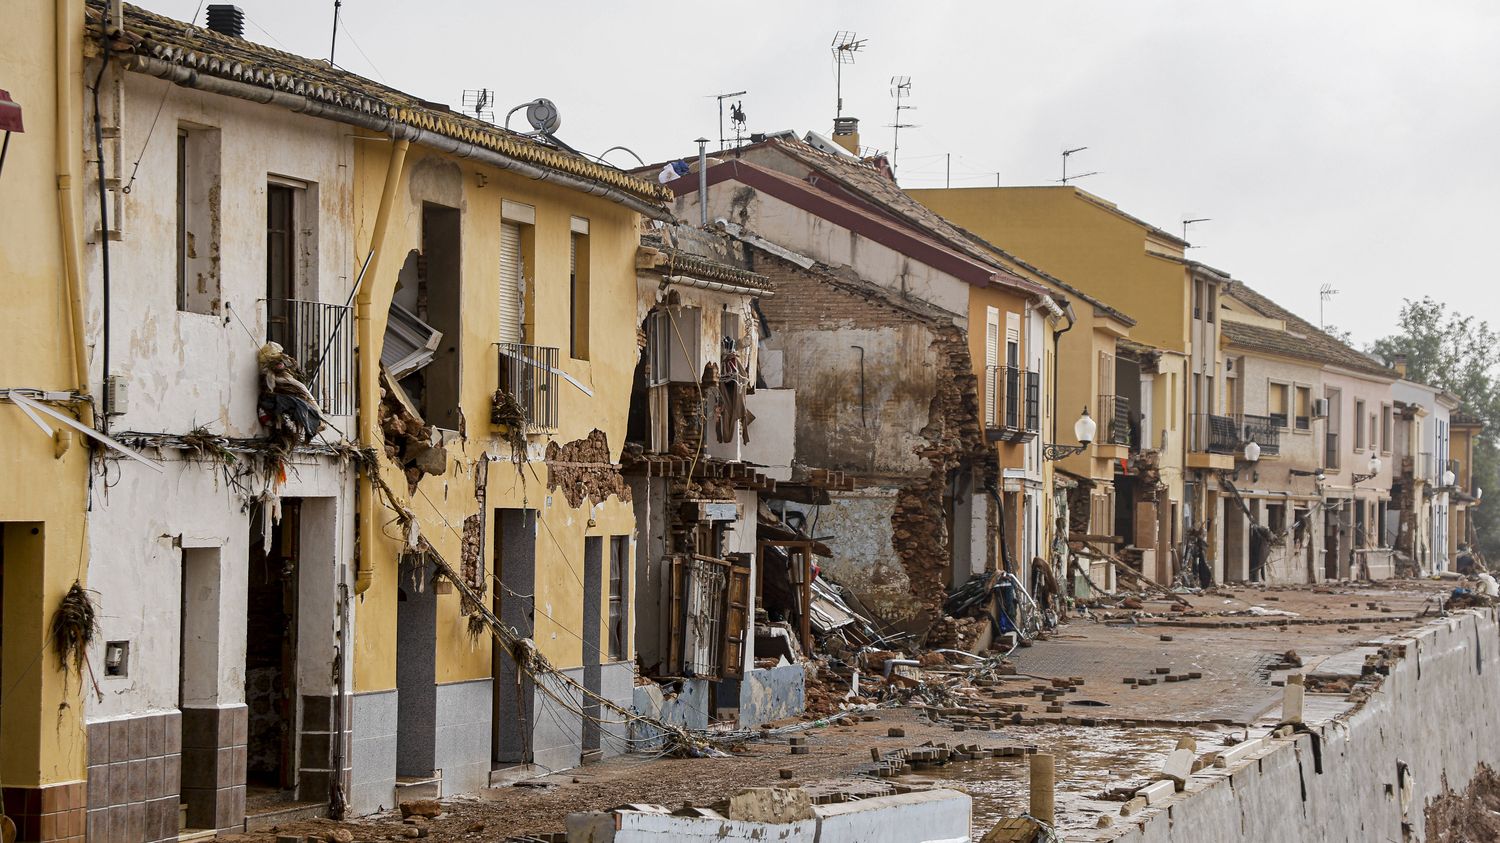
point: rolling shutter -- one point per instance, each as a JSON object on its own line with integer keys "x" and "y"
{"x": 510, "y": 282}
{"x": 991, "y": 363}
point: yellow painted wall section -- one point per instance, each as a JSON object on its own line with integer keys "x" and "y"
{"x": 1097, "y": 250}
{"x": 42, "y": 497}
{"x": 1006, "y": 300}
{"x": 441, "y": 503}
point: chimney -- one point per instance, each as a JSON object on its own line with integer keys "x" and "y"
{"x": 1399, "y": 363}
{"x": 846, "y": 133}
{"x": 226, "y": 20}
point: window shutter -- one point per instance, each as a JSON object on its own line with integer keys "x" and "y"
{"x": 991, "y": 363}
{"x": 510, "y": 282}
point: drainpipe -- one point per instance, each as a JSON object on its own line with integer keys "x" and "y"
{"x": 69, "y": 21}
{"x": 369, "y": 366}
{"x": 1056, "y": 362}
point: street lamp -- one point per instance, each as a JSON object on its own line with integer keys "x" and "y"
{"x": 1252, "y": 451}
{"x": 1374, "y": 466}
{"x": 1449, "y": 478}
{"x": 1083, "y": 430}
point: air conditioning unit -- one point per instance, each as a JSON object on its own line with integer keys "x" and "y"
{"x": 1320, "y": 408}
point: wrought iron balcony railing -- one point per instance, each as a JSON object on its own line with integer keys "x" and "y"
{"x": 528, "y": 373}
{"x": 1263, "y": 431}
{"x": 321, "y": 337}
{"x": 1012, "y": 402}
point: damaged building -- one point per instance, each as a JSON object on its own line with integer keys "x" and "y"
{"x": 724, "y": 615}
{"x": 876, "y": 325}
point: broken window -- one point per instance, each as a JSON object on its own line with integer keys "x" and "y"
{"x": 672, "y": 338}
{"x": 619, "y": 578}
{"x": 197, "y": 219}
{"x": 578, "y": 290}
{"x": 425, "y": 313}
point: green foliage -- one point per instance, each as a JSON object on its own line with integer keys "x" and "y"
{"x": 1460, "y": 354}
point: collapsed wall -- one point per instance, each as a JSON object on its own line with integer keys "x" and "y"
{"x": 1370, "y": 775}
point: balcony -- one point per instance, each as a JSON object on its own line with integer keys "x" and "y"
{"x": 1263, "y": 431}
{"x": 1114, "y": 414}
{"x": 528, "y": 374}
{"x": 1012, "y": 403}
{"x": 321, "y": 337}
{"x": 1215, "y": 434}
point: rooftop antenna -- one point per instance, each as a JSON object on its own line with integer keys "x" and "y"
{"x": 337, "y": 4}
{"x": 900, "y": 89}
{"x": 1325, "y": 294}
{"x": 845, "y": 45}
{"x": 721, "y": 98}
{"x": 1067, "y": 178}
{"x": 1188, "y": 222}
{"x": 480, "y": 103}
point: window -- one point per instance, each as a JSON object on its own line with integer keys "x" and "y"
{"x": 1374, "y": 440}
{"x": 1197, "y": 298}
{"x": 197, "y": 219}
{"x": 516, "y": 228}
{"x": 1276, "y": 518}
{"x": 619, "y": 586}
{"x": 1303, "y": 408}
{"x": 672, "y": 345}
{"x": 1335, "y": 399}
{"x": 991, "y": 365}
{"x": 1359, "y": 424}
{"x": 578, "y": 290}
{"x": 1385, "y": 428}
{"x": 1213, "y": 304}
{"x": 1276, "y": 404}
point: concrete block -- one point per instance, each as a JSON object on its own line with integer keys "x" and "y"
{"x": 771, "y": 805}
{"x": 1159, "y": 792}
{"x": 1236, "y": 753}
{"x": 1292, "y": 698}
{"x": 1135, "y": 805}
{"x": 1178, "y": 766}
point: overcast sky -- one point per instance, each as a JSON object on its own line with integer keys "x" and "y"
{"x": 1347, "y": 143}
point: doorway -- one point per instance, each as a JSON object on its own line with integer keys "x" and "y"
{"x": 271, "y": 654}
{"x": 514, "y": 696}
{"x": 1331, "y": 516}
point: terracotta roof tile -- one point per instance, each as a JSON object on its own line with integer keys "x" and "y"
{"x": 240, "y": 60}
{"x": 1302, "y": 339}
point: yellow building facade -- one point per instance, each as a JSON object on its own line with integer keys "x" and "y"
{"x": 42, "y": 531}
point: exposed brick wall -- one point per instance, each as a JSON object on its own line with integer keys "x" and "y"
{"x": 946, "y": 413}
{"x": 954, "y": 440}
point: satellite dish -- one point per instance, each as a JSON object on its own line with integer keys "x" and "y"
{"x": 543, "y": 116}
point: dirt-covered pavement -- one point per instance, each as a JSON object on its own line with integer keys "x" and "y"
{"x": 1105, "y": 731}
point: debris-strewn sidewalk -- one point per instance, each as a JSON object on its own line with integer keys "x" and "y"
{"x": 1110, "y": 695}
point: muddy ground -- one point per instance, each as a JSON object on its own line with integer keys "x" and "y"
{"x": 1238, "y": 657}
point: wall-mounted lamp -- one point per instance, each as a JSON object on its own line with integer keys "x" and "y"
{"x": 1083, "y": 429}
{"x": 1374, "y": 466}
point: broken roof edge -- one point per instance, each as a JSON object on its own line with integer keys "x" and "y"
{"x": 846, "y": 280}
{"x": 902, "y": 239}
{"x": 188, "y": 55}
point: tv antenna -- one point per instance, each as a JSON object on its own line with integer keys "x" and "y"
{"x": 1067, "y": 178}
{"x": 900, "y": 89}
{"x": 1325, "y": 295}
{"x": 721, "y": 98}
{"x": 845, "y": 45}
{"x": 334, "y": 42}
{"x": 481, "y": 104}
{"x": 1188, "y": 222}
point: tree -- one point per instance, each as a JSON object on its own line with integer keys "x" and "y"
{"x": 1460, "y": 354}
